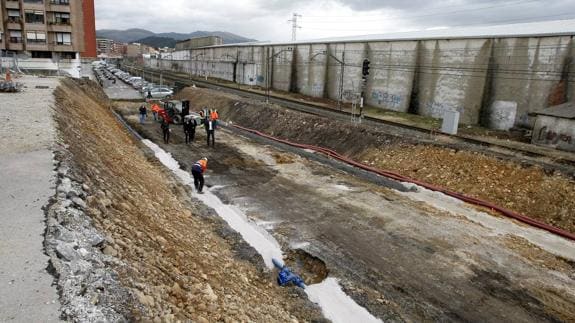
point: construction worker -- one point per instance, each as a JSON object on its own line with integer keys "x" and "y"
{"x": 155, "y": 109}
{"x": 210, "y": 131}
{"x": 214, "y": 115}
{"x": 198, "y": 170}
{"x": 190, "y": 129}
{"x": 143, "y": 113}
{"x": 166, "y": 131}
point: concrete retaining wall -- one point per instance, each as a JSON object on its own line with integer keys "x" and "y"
{"x": 427, "y": 77}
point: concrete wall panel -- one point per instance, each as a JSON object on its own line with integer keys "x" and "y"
{"x": 426, "y": 77}
{"x": 280, "y": 63}
{"x": 451, "y": 76}
{"x": 310, "y": 71}
{"x": 527, "y": 71}
{"x": 391, "y": 75}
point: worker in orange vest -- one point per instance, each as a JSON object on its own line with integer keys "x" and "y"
{"x": 215, "y": 116}
{"x": 198, "y": 170}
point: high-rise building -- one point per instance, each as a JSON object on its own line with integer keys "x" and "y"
{"x": 110, "y": 48}
{"x": 55, "y": 29}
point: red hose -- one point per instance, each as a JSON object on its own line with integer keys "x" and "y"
{"x": 401, "y": 178}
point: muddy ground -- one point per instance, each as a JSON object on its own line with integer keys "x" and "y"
{"x": 508, "y": 181}
{"x": 404, "y": 260}
{"x": 177, "y": 259}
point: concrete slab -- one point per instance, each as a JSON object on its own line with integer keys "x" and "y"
{"x": 26, "y": 184}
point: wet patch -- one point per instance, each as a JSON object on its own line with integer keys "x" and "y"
{"x": 281, "y": 158}
{"x": 312, "y": 269}
{"x": 499, "y": 286}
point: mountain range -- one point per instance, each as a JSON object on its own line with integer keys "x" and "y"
{"x": 150, "y": 38}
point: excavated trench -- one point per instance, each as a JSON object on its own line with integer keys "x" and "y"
{"x": 399, "y": 260}
{"x": 505, "y": 180}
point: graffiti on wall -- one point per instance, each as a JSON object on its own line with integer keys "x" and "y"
{"x": 389, "y": 99}
{"x": 437, "y": 109}
{"x": 553, "y": 138}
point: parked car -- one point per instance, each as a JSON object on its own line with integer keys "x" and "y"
{"x": 160, "y": 93}
{"x": 147, "y": 87}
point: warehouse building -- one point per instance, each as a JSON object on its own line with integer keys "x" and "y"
{"x": 527, "y": 66}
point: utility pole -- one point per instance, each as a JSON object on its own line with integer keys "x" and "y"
{"x": 294, "y": 26}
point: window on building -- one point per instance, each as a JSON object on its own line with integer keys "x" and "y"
{"x": 63, "y": 39}
{"x": 67, "y": 55}
{"x": 60, "y": 2}
{"x": 61, "y": 18}
{"x": 36, "y": 37}
{"x": 33, "y": 1}
{"x": 34, "y": 16}
{"x": 36, "y": 54}
{"x": 15, "y": 36}
{"x": 13, "y": 16}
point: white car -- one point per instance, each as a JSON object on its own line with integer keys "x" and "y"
{"x": 160, "y": 93}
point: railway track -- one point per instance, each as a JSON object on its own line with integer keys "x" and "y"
{"x": 566, "y": 165}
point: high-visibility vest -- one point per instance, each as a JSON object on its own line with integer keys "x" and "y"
{"x": 200, "y": 166}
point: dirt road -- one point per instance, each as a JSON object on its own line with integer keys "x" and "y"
{"x": 404, "y": 259}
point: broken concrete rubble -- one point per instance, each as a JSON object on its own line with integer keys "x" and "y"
{"x": 88, "y": 287}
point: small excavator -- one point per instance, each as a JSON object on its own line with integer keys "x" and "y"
{"x": 175, "y": 112}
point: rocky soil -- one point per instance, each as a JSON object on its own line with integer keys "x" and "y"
{"x": 531, "y": 190}
{"x": 173, "y": 258}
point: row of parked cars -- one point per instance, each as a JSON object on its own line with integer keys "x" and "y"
{"x": 146, "y": 88}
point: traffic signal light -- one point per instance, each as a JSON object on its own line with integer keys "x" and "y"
{"x": 365, "y": 69}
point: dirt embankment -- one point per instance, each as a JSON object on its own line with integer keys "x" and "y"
{"x": 172, "y": 257}
{"x": 528, "y": 190}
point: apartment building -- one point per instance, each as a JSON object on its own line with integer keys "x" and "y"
{"x": 54, "y": 29}
{"x": 110, "y": 48}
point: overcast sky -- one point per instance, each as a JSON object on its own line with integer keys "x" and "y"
{"x": 268, "y": 19}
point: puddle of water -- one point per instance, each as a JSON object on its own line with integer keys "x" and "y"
{"x": 299, "y": 245}
{"x": 498, "y": 226}
{"x": 342, "y": 187}
{"x": 335, "y": 304}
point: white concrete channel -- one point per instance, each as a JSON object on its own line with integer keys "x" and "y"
{"x": 335, "y": 304}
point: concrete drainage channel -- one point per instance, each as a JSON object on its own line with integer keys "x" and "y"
{"x": 326, "y": 292}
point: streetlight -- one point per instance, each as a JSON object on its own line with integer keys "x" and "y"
{"x": 342, "y": 64}
{"x": 289, "y": 49}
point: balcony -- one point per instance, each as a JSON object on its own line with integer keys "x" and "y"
{"x": 59, "y": 7}
{"x": 34, "y": 5}
{"x": 14, "y": 26}
{"x": 61, "y": 47}
{"x": 11, "y": 4}
{"x": 37, "y": 46}
{"x": 55, "y": 27}
{"x": 15, "y": 43}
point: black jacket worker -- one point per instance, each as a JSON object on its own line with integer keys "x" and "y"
{"x": 190, "y": 129}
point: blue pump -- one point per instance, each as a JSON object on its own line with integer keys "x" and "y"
{"x": 286, "y": 277}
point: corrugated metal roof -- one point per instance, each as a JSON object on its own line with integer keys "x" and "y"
{"x": 532, "y": 29}
{"x": 564, "y": 111}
